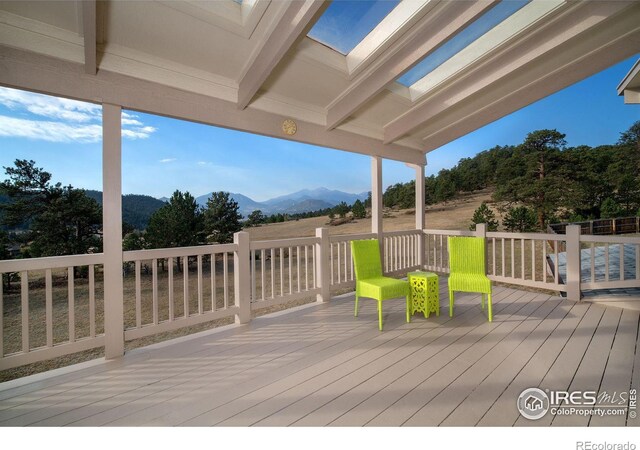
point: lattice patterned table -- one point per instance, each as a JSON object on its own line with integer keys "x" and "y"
{"x": 425, "y": 293}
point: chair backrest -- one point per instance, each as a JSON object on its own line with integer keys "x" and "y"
{"x": 466, "y": 255}
{"x": 366, "y": 258}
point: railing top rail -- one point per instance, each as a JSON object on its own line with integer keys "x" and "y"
{"x": 352, "y": 237}
{"x": 532, "y": 236}
{"x": 401, "y": 232}
{"x": 450, "y": 232}
{"x": 157, "y": 253}
{"x": 50, "y": 262}
{"x": 260, "y": 245}
{"x": 610, "y": 239}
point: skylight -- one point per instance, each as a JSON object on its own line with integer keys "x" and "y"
{"x": 467, "y": 36}
{"x": 346, "y": 23}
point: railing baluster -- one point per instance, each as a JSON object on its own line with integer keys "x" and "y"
{"x": 621, "y": 262}
{"x": 331, "y": 260}
{"x": 225, "y": 264}
{"x": 214, "y": 294}
{"x": 185, "y": 282}
{"x": 298, "y": 266}
{"x": 593, "y": 262}
{"x": 338, "y": 263}
{"x": 556, "y": 274}
{"x": 200, "y": 302}
{"x": 24, "y": 299}
{"x": 273, "y": 273}
{"x": 71, "y": 304}
{"x": 154, "y": 295}
{"x": 435, "y": 249}
{"x": 171, "y": 289}
{"x": 533, "y": 260}
{"x": 313, "y": 265}
{"x": 606, "y": 262}
{"x": 346, "y": 262}
{"x": 282, "y": 271}
{"x": 49, "y": 307}
{"x": 252, "y": 254}
{"x": 504, "y": 259}
{"x": 513, "y": 258}
{"x": 493, "y": 243}
{"x": 138, "y": 298}
{"x": 306, "y": 267}
{"x": 386, "y": 254}
{"x": 290, "y": 271}
{"x": 522, "y": 258}
{"x": 92, "y": 301}
{"x": 544, "y": 261}
{"x": 350, "y": 260}
{"x": 262, "y": 277}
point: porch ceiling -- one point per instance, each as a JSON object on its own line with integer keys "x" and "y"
{"x": 249, "y": 66}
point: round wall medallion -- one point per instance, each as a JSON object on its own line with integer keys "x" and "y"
{"x": 289, "y": 127}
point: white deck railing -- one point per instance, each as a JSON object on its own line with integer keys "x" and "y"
{"x": 203, "y": 294}
{"x": 36, "y": 309}
{"x": 609, "y": 262}
{"x": 282, "y": 271}
{"x": 59, "y": 305}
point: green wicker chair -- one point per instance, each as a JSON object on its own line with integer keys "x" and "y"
{"x": 467, "y": 269}
{"x": 369, "y": 279}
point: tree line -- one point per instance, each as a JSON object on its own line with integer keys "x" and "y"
{"x": 542, "y": 181}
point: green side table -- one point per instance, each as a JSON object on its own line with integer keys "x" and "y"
{"x": 424, "y": 293}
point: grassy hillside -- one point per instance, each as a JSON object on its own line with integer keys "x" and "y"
{"x": 455, "y": 214}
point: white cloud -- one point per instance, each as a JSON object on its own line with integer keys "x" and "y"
{"x": 67, "y": 120}
{"x": 202, "y": 163}
{"x": 49, "y": 131}
{"x": 168, "y": 160}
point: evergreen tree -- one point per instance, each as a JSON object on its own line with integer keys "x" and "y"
{"x": 484, "y": 214}
{"x": 610, "y": 209}
{"x": 221, "y": 218}
{"x": 60, "y": 220}
{"x": 177, "y": 224}
{"x": 520, "y": 219}
{"x": 358, "y": 209}
{"x": 255, "y": 218}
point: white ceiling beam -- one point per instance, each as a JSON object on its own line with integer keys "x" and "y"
{"x": 433, "y": 30}
{"x": 293, "y": 21}
{"x": 89, "y": 34}
{"x": 602, "y": 50}
{"x": 573, "y": 24}
{"x": 39, "y": 73}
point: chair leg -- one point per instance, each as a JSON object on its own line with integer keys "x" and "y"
{"x": 489, "y": 307}
{"x": 409, "y": 309}
{"x": 450, "y": 303}
{"x": 356, "y": 311}
{"x": 380, "y": 315}
{"x": 482, "y": 301}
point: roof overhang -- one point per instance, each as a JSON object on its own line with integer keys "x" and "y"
{"x": 630, "y": 85}
{"x": 249, "y": 67}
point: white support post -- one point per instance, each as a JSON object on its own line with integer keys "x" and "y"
{"x": 376, "y": 201}
{"x": 420, "y": 210}
{"x": 112, "y": 230}
{"x": 573, "y": 262}
{"x": 323, "y": 265}
{"x": 242, "y": 276}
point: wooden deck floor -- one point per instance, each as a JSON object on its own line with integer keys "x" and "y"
{"x": 319, "y": 365}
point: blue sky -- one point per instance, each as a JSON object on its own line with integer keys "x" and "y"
{"x": 161, "y": 154}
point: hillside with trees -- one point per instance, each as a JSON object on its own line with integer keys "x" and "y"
{"x": 541, "y": 181}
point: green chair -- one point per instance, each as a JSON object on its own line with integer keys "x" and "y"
{"x": 369, "y": 279}
{"x": 467, "y": 269}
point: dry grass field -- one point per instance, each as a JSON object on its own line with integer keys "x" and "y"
{"x": 451, "y": 215}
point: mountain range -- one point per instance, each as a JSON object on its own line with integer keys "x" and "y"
{"x": 298, "y": 202}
